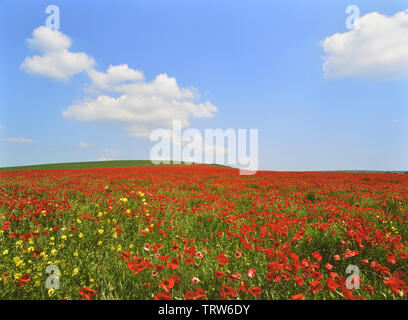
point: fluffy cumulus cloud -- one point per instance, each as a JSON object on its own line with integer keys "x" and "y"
{"x": 113, "y": 76}
{"x": 141, "y": 106}
{"x": 377, "y": 49}
{"x": 122, "y": 93}
{"x": 18, "y": 140}
{"x": 55, "y": 61}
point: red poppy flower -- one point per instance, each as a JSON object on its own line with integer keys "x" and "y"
{"x": 162, "y": 296}
{"x": 348, "y": 253}
{"x": 27, "y": 236}
{"x": 298, "y": 296}
{"x": 251, "y": 273}
{"x": 235, "y": 276}
{"x": 87, "y": 293}
{"x": 6, "y": 225}
{"x": 226, "y": 291}
{"x": 219, "y": 274}
{"x": 222, "y": 259}
{"x": 316, "y": 255}
{"x": 24, "y": 279}
{"x": 305, "y": 263}
{"x": 396, "y": 285}
{"x": 175, "y": 278}
{"x": 347, "y": 294}
{"x": 159, "y": 268}
{"x": 331, "y": 284}
{"x": 167, "y": 284}
{"x": 36, "y": 253}
{"x": 174, "y": 263}
{"x": 315, "y": 286}
{"x": 391, "y": 258}
{"x": 298, "y": 280}
{"x": 243, "y": 286}
{"x": 125, "y": 255}
{"x": 164, "y": 258}
{"x": 369, "y": 288}
{"x": 190, "y": 295}
{"x": 200, "y": 293}
{"x": 188, "y": 260}
{"x": 256, "y": 291}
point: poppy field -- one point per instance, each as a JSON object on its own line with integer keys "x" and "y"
{"x": 202, "y": 232}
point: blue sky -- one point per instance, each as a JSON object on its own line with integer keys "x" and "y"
{"x": 259, "y": 62}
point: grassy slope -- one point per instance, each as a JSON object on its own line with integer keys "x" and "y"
{"x": 86, "y": 165}
{"x": 83, "y": 165}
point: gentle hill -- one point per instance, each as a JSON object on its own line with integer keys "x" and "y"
{"x": 86, "y": 165}
{"x": 82, "y": 165}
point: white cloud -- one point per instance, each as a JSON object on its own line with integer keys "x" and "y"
{"x": 108, "y": 155}
{"x": 143, "y": 106}
{"x": 47, "y": 40}
{"x": 18, "y": 140}
{"x": 56, "y": 61}
{"x": 122, "y": 93}
{"x": 113, "y": 76}
{"x": 82, "y": 145}
{"x": 377, "y": 49}
{"x": 111, "y": 153}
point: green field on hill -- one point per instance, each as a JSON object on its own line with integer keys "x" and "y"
{"x": 83, "y": 165}
{"x": 89, "y": 165}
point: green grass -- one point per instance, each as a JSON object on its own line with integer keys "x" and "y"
{"x": 87, "y": 165}
{"x": 82, "y": 165}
